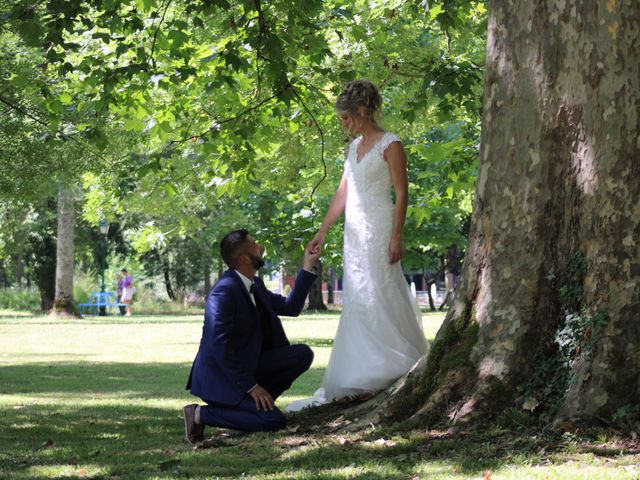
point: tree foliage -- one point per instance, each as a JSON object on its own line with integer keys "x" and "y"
{"x": 199, "y": 116}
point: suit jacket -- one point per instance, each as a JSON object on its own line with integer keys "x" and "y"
{"x": 234, "y": 335}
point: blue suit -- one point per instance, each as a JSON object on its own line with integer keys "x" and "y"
{"x": 243, "y": 345}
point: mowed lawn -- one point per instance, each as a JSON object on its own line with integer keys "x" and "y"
{"x": 102, "y": 397}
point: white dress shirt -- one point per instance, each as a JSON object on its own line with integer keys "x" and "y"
{"x": 247, "y": 284}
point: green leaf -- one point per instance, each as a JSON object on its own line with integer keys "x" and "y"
{"x": 273, "y": 47}
{"x": 170, "y": 189}
{"x": 105, "y": 37}
{"x": 178, "y": 38}
{"x": 435, "y": 11}
{"x": 65, "y": 98}
{"x": 31, "y": 32}
{"x": 134, "y": 124}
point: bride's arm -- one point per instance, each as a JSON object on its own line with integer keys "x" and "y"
{"x": 397, "y": 161}
{"x": 336, "y": 207}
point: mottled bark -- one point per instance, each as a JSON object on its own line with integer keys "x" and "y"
{"x": 64, "y": 304}
{"x": 555, "y": 230}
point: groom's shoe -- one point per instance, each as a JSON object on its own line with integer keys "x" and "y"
{"x": 194, "y": 432}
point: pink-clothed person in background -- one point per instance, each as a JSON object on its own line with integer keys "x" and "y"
{"x": 119, "y": 293}
{"x": 127, "y": 290}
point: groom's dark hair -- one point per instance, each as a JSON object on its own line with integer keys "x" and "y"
{"x": 231, "y": 246}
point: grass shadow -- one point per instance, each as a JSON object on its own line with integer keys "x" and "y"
{"x": 122, "y": 420}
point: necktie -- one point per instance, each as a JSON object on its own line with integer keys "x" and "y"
{"x": 262, "y": 318}
{"x": 252, "y": 290}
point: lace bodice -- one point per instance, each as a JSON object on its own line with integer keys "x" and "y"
{"x": 369, "y": 180}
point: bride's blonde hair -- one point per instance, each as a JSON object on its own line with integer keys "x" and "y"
{"x": 360, "y": 93}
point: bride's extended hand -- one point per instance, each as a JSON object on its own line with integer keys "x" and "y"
{"x": 315, "y": 245}
{"x": 395, "y": 249}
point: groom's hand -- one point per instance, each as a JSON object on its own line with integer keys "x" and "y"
{"x": 311, "y": 255}
{"x": 263, "y": 399}
{"x": 316, "y": 243}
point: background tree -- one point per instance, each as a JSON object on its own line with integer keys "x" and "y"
{"x": 64, "y": 304}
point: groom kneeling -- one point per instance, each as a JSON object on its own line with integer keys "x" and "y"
{"x": 245, "y": 361}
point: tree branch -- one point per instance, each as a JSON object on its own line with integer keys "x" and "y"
{"x": 217, "y": 123}
{"x": 23, "y": 111}
{"x": 315, "y": 122}
{"x": 64, "y": 136}
{"x": 155, "y": 35}
{"x": 264, "y": 29}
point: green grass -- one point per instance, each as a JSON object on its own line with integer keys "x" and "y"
{"x": 102, "y": 398}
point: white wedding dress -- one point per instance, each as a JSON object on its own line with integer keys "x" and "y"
{"x": 380, "y": 335}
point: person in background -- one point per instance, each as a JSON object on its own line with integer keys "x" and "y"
{"x": 127, "y": 291}
{"x": 119, "y": 293}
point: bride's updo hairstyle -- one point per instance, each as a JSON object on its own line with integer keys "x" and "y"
{"x": 359, "y": 93}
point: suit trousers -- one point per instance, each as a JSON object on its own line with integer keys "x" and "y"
{"x": 277, "y": 370}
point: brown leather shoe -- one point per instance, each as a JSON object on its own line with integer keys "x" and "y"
{"x": 194, "y": 432}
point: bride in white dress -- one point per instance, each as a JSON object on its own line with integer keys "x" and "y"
{"x": 380, "y": 335}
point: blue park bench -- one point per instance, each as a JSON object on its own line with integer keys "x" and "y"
{"x": 106, "y": 300}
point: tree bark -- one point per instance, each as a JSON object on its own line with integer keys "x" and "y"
{"x": 551, "y": 279}
{"x": 45, "y": 270}
{"x": 330, "y": 284}
{"x": 27, "y": 263}
{"x": 432, "y": 305}
{"x": 315, "y": 293}
{"x": 166, "y": 271}
{"x": 64, "y": 304}
{"x": 19, "y": 266}
{"x": 4, "y": 280}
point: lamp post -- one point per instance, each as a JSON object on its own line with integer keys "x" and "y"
{"x": 104, "y": 229}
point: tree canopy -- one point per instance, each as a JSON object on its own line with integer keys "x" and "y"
{"x": 182, "y": 119}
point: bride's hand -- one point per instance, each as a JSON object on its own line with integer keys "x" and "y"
{"x": 395, "y": 249}
{"x": 315, "y": 245}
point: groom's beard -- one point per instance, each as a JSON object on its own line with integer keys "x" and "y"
{"x": 256, "y": 261}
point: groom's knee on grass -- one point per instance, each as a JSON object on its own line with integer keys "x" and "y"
{"x": 305, "y": 355}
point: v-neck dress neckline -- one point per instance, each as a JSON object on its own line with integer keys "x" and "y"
{"x": 375, "y": 144}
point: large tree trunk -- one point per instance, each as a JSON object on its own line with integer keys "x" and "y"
{"x": 551, "y": 280}
{"x": 64, "y": 304}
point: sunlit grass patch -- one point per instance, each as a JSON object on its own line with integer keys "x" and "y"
{"x": 66, "y": 471}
